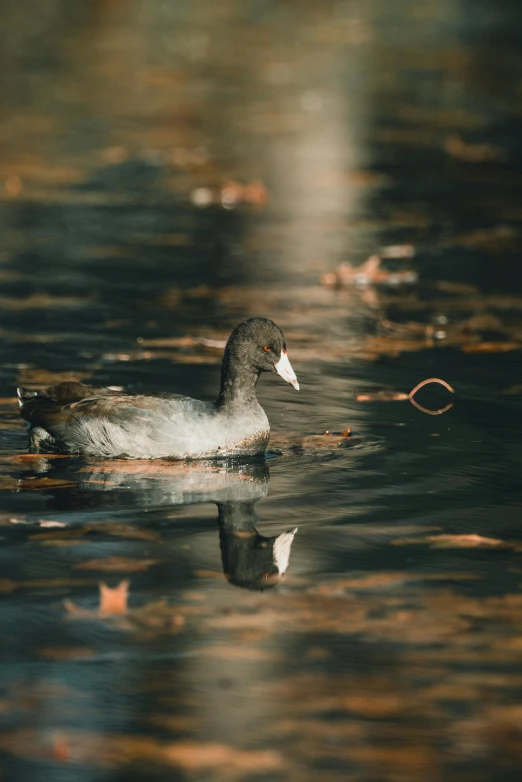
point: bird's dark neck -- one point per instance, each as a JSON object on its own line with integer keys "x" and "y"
{"x": 238, "y": 384}
{"x": 236, "y": 515}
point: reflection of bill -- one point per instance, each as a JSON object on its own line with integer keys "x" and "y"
{"x": 250, "y": 560}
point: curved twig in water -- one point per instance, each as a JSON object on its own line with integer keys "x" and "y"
{"x": 424, "y": 383}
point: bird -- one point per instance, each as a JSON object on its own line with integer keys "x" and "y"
{"x": 75, "y": 418}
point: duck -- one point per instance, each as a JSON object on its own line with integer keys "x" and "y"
{"x": 75, "y": 418}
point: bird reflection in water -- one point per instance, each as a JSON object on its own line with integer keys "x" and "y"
{"x": 250, "y": 560}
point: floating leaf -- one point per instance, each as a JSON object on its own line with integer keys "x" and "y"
{"x": 460, "y": 541}
{"x": 491, "y": 347}
{"x": 471, "y": 153}
{"x": 67, "y": 653}
{"x": 125, "y": 564}
{"x": 113, "y": 602}
{"x": 44, "y": 483}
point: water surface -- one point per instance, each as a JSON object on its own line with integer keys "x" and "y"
{"x": 168, "y": 171}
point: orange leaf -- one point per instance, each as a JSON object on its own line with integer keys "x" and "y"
{"x": 113, "y": 600}
{"x": 126, "y": 564}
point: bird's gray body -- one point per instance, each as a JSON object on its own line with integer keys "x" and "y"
{"x": 148, "y": 427}
{"x": 75, "y": 418}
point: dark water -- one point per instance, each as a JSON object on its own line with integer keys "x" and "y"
{"x": 167, "y": 170}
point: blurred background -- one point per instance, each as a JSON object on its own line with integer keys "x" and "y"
{"x": 352, "y": 170}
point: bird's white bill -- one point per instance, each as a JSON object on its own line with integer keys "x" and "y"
{"x": 284, "y": 369}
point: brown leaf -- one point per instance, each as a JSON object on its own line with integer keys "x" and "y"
{"x": 382, "y": 396}
{"x": 7, "y": 585}
{"x": 459, "y": 541}
{"x": 66, "y": 653}
{"x": 60, "y": 542}
{"x": 327, "y": 439}
{"x": 13, "y": 185}
{"x": 471, "y": 153}
{"x": 113, "y": 600}
{"x": 371, "y": 272}
{"x": 466, "y": 541}
{"x": 108, "y": 749}
{"x": 8, "y": 520}
{"x": 126, "y": 564}
{"x": 209, "y": 574}
{"x": 9, "y": 484}
{"x": 113, "y": 528}
{"x": 242, "y": 652}
{"x": 41, "y": 484}
{"x": 36, "y": 457}
{"x": 491, "y": 347}
{"x": 44, "y": 301}
{"x": 168, "y": 342}
{"x": 513, "y": 390}
{"x": 61, "y": 750}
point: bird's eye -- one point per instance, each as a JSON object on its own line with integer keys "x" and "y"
{"x": 266, "y": 349}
